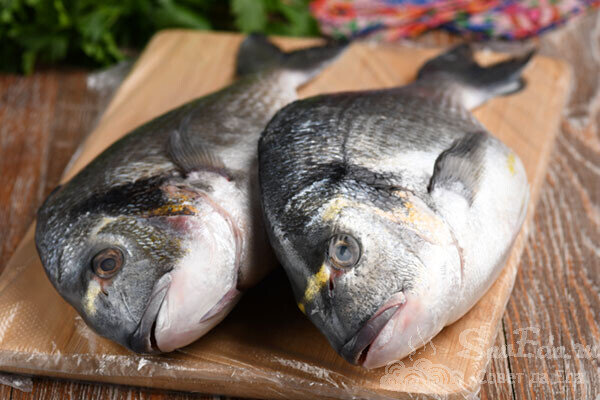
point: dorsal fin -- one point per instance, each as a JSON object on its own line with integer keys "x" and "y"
{"x": 256, "y": 54}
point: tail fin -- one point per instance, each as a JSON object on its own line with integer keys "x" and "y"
{"x": 475, "y": 84}
{"x": 256, "y": 54}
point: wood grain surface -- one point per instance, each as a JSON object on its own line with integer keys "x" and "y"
{"x": 557, "y": 283}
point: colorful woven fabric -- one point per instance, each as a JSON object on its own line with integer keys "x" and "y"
{"x": 393, "y": 19}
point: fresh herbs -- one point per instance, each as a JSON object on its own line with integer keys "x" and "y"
{"x": 95, "y": 33}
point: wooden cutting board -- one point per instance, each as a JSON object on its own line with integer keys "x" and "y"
{"x": 266, "y": 348}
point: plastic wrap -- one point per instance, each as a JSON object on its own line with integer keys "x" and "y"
{"x": 266, "y": 347}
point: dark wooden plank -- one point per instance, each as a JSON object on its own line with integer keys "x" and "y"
{"x": 42, "y": 120}
{"x": 5, "y": 392}
{"x": 26, "y": 109}
{"x": 76, "y": 110}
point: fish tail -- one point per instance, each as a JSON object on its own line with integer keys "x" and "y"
{"x": 472, "y": 84}
{"x": 256, "y": 54}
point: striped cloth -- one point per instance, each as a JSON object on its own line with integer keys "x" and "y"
{"x": 393, "y": 19}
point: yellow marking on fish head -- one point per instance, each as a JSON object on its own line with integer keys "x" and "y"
{"x": 400, "y": 193}
{"x": 418, "y": 216}
{"x": 510, "y": 163}
{"x": 302, "y": 309}
{"x": 315, "y": 283}
{"x": 412, "y": 214}
{"x": 102, "y": 224}
{"x": 415, "y": 215}
{"x": 173, "y": 210}
{"x": 335, "y": 206}
{"x": 93, "y": 290}
{"x": 406, "y": 213}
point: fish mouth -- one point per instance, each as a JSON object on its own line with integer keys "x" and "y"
{"x": 356, "y": 349}
{"x": 143, "y": 339}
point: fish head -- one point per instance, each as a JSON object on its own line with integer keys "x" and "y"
{"x": 375, "y": 273}
{"x": 152, "y": 269}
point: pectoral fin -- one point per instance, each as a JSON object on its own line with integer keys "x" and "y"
{"x": 193, "y": 155}
{"x": 460, "y": 167}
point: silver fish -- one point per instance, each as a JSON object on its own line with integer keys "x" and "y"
{"x": 393, "y": 211}
{"x": 154, "y": 241}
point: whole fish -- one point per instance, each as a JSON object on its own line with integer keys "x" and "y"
{"x": 393, "y": 211}
{"x": 154, "y": 241}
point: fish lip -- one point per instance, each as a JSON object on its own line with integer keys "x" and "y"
{"x": 142, "y": 340}
{"x": 355, "y": 350}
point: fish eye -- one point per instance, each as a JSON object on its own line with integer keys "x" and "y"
{"x": 107, "y": 262}
{"x": 344, "y": 251}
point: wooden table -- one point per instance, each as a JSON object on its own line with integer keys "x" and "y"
{"x": 556, "y": 298}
